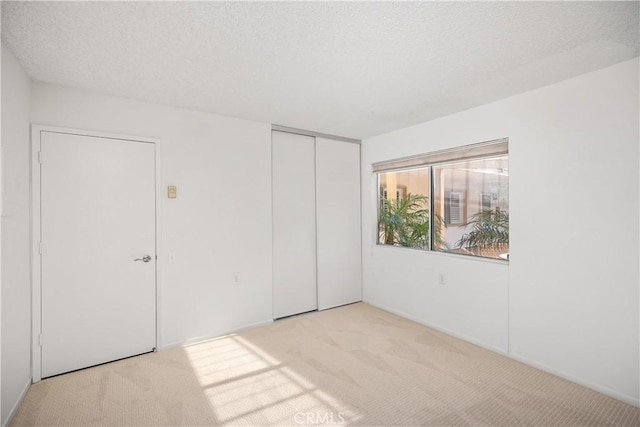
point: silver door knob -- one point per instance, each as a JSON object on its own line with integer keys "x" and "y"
{"x": 145, "y": 258}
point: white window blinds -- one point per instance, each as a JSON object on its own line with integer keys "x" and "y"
{"x": 496, "y": 147}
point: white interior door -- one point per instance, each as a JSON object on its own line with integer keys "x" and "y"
{"x": 338, "y": 222}
{"x": 294, "y": 224}
{"x": 97, "y": 213}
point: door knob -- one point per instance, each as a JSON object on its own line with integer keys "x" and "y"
{"x": 145, "y": 258}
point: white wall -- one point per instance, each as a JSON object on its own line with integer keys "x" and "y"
{"x": 16, "y": 285}
{"x": 568, "y": 301}
{"x": 220, "y": 222}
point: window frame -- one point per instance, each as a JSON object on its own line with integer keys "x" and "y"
{"x": 480, "y": 151}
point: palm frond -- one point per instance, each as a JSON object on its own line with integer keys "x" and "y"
{"x": 406, "y": 222}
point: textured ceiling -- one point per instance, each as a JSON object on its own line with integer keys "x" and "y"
{"x": 345, "y": 68}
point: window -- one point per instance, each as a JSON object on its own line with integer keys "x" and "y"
{"x": 454, "y": 201}
{"x": 404, "y": 208}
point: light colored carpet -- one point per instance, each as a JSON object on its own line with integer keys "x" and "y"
{"x": 354, "y": 365}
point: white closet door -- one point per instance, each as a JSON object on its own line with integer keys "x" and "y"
{"x": 294, "y": 224}
{"x": 338, "y": 223}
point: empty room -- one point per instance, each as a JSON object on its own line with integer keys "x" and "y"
{"x": 320, "y": 213}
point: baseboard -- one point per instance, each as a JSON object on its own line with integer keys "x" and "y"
{"x": 16, "y": 405}
{"x": 210, "y": 337}
{"x": 600, "y": 389}
{"x": 595, "y": 387}
{"x": 438, "y": 328}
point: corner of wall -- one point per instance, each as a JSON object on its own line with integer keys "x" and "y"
{"x": 15, "y": 272}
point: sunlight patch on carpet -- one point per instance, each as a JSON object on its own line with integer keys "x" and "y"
{"x": 245, "y": 384}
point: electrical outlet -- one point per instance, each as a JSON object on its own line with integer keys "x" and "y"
{"x": 442, "y": 279}
{"x": 236, "y": 278}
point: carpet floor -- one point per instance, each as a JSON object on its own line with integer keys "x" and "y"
{"x": 353, "y": 365}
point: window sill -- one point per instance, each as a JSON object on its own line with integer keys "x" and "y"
{"x": 444, "y": 254}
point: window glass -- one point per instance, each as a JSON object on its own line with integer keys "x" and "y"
{"x": 472, "y": 198}
{"x": 404, "y": 208}
{"x": 454, "y": 201}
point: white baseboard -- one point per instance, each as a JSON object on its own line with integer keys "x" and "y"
{"x": 16, "y": 405}
{"x": 600, "y": 389}
{"x": 438, "y": 328}
{"x": 595, "y": 387}
{"x": 209, "y": 337}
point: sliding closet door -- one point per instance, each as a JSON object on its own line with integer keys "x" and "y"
{"x": 338, "y": 223}
{"x": 294, "y": 224}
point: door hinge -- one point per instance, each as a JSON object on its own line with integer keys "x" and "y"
{"x": 40, "y": 250}
{"x": 40, "y": 157}
{"x": 40, "y": 340}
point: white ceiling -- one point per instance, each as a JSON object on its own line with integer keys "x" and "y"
{"x": 345, "y": 68}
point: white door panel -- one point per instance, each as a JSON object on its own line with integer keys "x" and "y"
{"x": 338, "y": 222}
{"x": 97, "y": 216}
{"x": 294, "y": 228}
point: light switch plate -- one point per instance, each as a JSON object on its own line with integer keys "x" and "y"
{"x": 172, "y": 191}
